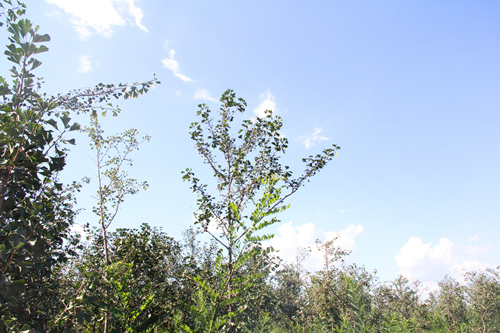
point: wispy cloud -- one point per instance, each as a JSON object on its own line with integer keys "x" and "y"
{"x": 204, "y": 95}
{"x": 101, "y": 16}
{"x": 304, "y": 236}
{"x": 475, "y": 238}
{"x": 312, "y": 139}
{"x": 345, "y": 210}
{"x": 173, "y": 65}
{"x": 137, "y": 14}
{"x": 85, "y": 64}
{"x": 266, "y": 102}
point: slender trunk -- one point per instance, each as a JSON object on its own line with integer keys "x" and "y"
{"x": 449, "y": 319}
{"x": 230, "y": 276}
{"x": 230, "y": 265}
{"x": 104, "y": 238}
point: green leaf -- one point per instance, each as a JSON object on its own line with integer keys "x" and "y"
{"x": 70, "y": 141}
{"x": 81, "y": 317}
{"x": 36, "y": 64}
{"x": 15, "y": 289}
{"x": 41, "y": 38}
{"x": 25, "y": 328}
{"x": 75, "y": 127}
{"x": 65, "y": 119}
{"x": 53, "y": 123}
{"x": 41, "y": 49}
{"x": 4, "y": 90}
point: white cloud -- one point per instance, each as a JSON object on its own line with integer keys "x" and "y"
{"x": 475, "y": 238}
{"x": 101, "y": 16}
{"x": 173, "y": 65}
{"x": 473, "y": 250}
{"x": 137, "y": 14}
{"x": 291, "y": 238}
{"x": 345, "y": 210}
{"x": 266, "y": 102}
{"x": 79, "y": 229}
{"x": 312, "y": 139}
{"x": 212, "y": 226}
{"x": 346, "y": 239}
{"x": 85, "y": 65}
{"x": 422, "y": 261}
{"x": 203, "y": 94}
{"x": 457, "y": 270}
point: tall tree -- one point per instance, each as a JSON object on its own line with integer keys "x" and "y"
{"x": 34, "y": 214}
{"x": 112, "y": 156}
{"x": 251, "y": 185}
{"x": 35, "y": 210}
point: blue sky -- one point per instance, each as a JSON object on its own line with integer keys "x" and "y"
{"x": 408, "y": 89}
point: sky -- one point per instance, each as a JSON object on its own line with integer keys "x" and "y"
{"x": 408, "y": 89}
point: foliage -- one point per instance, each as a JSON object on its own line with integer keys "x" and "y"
{"x": 252, "y": 186}
{"x": 452, "y": 303}
{"x": 36, "y": 210}
{"x": 141, "y": 280}
{"x": 483, "y": 292}
{"x": 144, "y": 281}
{"x": 112, "y": 154}
{"x": 290, "y": 292}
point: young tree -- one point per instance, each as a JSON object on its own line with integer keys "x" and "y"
{"x": 451, "y": 303}
{"x": 144, "y": 281}
{"x": 483, "y": 289}
{"x": 291, "y": 284}
{"x": 112, "y": 154}
{"x": 399, "y": 303}
{"x": 251, "y": 186}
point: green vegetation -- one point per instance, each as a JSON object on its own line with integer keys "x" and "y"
{"x": 142, "y": 280}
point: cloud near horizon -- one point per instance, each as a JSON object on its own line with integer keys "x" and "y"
{"x": 428, "y": 264}
{"x": 291, "y": 238}
{"x": 101, "y": 16}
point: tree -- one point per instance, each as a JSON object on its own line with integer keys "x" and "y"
{"x": 339, "y": 296}
{"x": 34, "y": 214}
{"x": 251, "y": 186}
{"x": 399, "y": 303}
{"x": 291, "y": 283}
{"x": 36, "y": 210}
{"x": 142, "y": 286}
{"x": 111, "y": 155}
{"x": 451, "y": 303}
{"x": 483, "y": 289}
